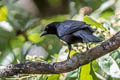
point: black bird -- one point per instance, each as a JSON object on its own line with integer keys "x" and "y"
{"x": 71, "y": 32}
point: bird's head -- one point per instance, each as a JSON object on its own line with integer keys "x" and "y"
{"x": 50, "y": 29}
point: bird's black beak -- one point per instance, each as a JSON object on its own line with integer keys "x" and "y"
{"x": 43, "y": 33}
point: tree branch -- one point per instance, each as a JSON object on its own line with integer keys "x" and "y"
{"x": 65, "y": 66}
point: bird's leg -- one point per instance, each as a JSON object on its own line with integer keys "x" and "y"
{"x": 87, "y": 46}
{"x": 69, "y": 47}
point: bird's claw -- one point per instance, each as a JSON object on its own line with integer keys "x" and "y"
{"x": 68, "y": 57}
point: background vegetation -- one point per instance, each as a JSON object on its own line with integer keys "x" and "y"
{"x": 20, "y": 28}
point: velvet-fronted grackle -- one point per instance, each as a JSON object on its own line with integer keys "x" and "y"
{"x": 71, "y": 32}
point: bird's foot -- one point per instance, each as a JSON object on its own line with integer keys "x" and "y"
{"x": 87, "y": 48}
{"x": 68, "y": 57}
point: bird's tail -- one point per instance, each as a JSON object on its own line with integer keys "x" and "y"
{"x": 94, "y": 39}
{"x": 87, "y": 36}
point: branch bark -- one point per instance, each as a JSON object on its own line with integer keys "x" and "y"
{"x": 65, "y": 66}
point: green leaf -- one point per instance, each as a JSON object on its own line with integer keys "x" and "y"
{"x": 116, "y": 56}
{"x": 54, "y": 3}
{"x": 15, "y": 45}
{"x": 73, "y": 52}
{"x": 17, "y": 42}
{"x": 41, "y": 77}
{"x": 95, "y": 66}
{"x": 6, "y": 57}
{"x": 92, "y": 72}
{"x": 105, "y": 62}
{"x": 87, "y": 73}
{"x": 73, "y": 75}
{"x": 6, "y": 32}
{"x": 3, "y": 13}
{"x": 92, "y": 22}
{"x": 17, "y": 19}
{"x": 54, "y": 77}
{"x": 107, "y": 14}
{"x": 54, "y": 18}
{"x": 109, "y": 64}
{"x": 35, "y": 38}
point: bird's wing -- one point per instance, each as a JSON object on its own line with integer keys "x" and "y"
{"x": 86, "y": 36}
{"x": 70, "y": 26}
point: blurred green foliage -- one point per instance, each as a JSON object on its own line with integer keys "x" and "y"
{"x": 20, "y": 39}
{"x": 92, "y": 22}
{"x": 3, "y": 13}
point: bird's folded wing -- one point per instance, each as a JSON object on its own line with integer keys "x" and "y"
{"x": 70, "y": 26}
{"x": 86, "y": 36}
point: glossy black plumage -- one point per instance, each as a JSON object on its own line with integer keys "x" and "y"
{"x": 71, "y": 32}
